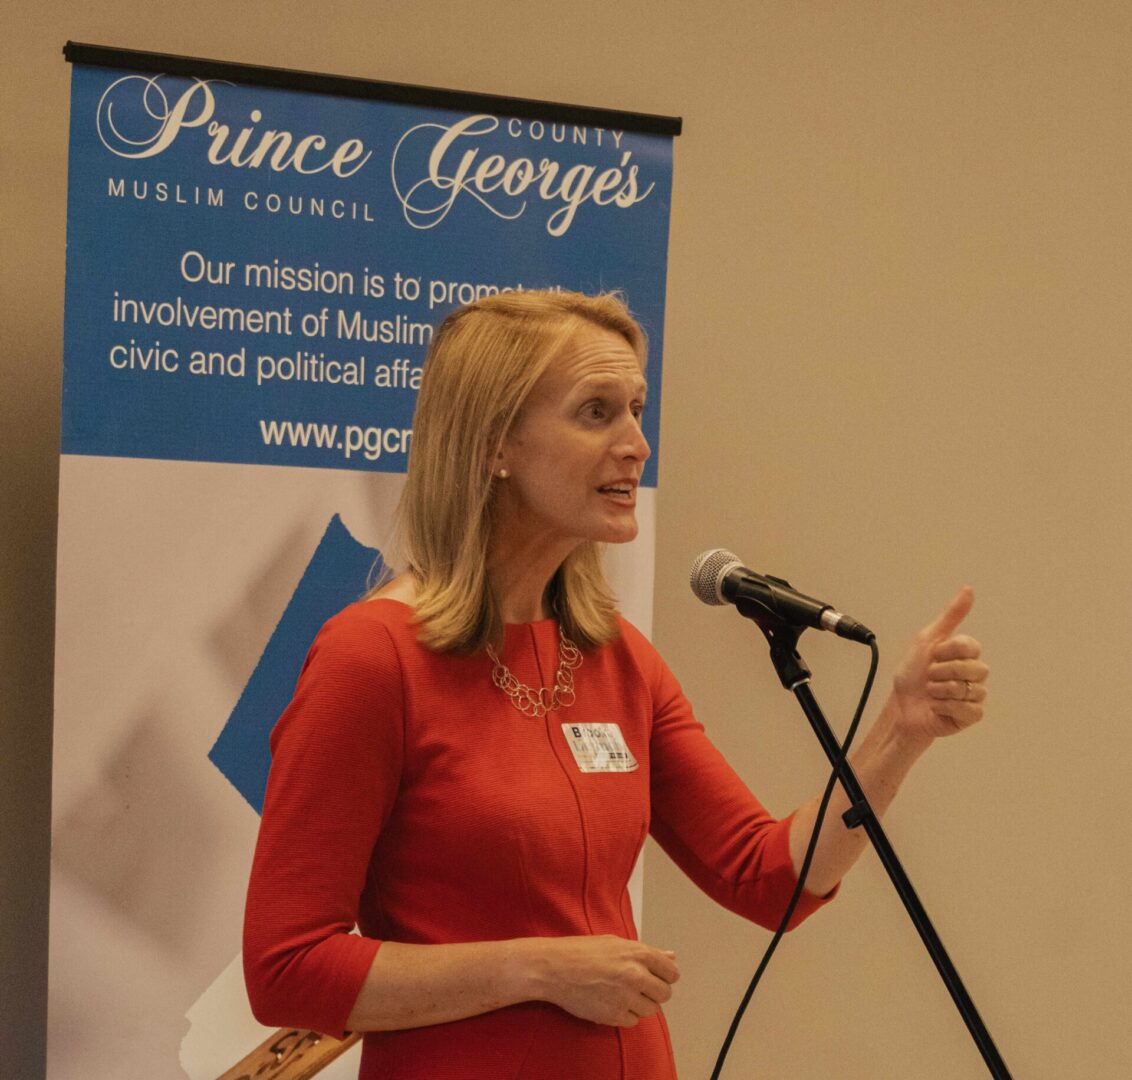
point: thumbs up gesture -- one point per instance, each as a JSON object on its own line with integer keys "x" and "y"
{"x": 940, "y": 686}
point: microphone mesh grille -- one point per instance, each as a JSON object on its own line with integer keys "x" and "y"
{"x": 708, "y": 572}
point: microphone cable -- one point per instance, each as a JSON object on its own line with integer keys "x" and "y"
{"x": 805, "y": 869}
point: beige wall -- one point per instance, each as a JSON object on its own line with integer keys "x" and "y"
{"x": 898, "y": 330}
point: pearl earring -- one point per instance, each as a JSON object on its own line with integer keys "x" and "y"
{"x": 503, "y": 474}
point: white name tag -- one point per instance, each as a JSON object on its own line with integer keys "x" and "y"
{"x": 599, "y": 748}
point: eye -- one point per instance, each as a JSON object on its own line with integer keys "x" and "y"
{"x": 638, "y": 409}
{"x": 594, "y": 410}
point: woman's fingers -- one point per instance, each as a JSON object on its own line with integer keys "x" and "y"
{"x": 960, "y": 647}
{"x": 958, "y": 670}
{"x": 958, "y": 680}
{"x": 662, "y": 963}
{"x": 957, "y": 690}
{"x": 957, "y": 609}
{"x": 611, "y": 980}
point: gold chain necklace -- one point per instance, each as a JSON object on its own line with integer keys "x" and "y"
{"x": 538, "y": 703}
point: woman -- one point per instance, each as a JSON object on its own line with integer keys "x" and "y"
{"x": 475, "y": 752}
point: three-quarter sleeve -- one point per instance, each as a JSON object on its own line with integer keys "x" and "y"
{"x": 706, "y": 818}
{"x": 336, "y": 763}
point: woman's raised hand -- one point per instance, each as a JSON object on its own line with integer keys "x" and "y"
{"x": 940, "y": 686}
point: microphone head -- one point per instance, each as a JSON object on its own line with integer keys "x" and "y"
{"x": 708, "y": 572}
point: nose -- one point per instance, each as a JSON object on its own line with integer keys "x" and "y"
{"x": 633, "y": 446}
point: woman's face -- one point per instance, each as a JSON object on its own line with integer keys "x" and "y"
{"x": 576, "y": 452}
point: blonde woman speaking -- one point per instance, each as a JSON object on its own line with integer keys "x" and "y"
{"x": 476, "y": 751}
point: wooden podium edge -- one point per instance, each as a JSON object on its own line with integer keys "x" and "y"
{"x": 290, "y": 1054}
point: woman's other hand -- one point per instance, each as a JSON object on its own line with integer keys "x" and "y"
{"x": 606, "y": 979}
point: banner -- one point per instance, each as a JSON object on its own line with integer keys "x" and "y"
{"x": 256, "y": 262}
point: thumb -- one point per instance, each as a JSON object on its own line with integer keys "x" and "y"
{"x": 949, "y": 619}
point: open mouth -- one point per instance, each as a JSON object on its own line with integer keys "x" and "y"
{"x": 617, "y": 491}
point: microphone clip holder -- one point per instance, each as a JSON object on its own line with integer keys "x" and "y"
{"x": 783, "y": 639}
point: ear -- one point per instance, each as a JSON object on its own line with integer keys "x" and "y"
{"x": 501, "y": 470}
{"x": 496, "y": 462}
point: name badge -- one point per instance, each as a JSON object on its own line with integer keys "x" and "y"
{"x": 599, "y": 748}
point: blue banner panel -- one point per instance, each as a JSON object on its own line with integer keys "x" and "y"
{"x": 254, "y": 274}
{"x": 338, "y": 574}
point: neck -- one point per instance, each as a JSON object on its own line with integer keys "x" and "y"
{"x": 519, "y": 572}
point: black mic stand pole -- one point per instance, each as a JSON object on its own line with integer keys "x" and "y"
{"x": 795, "y": 676}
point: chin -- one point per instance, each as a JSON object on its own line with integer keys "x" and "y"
{"x": 621, "y": 534}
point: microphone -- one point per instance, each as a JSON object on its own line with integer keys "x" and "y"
{"x": 718, "y": 577}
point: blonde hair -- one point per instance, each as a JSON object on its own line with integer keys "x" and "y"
{"x": 482, "y": 363}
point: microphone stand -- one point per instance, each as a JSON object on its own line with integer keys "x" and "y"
{"x": 795, "y": 677}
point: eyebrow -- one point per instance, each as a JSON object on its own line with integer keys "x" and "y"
{"x": 599, "y": 382}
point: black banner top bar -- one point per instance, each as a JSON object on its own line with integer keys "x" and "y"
{"x": 347, "y": 86}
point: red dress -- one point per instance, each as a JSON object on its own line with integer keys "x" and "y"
{"x": 409, "y": 796}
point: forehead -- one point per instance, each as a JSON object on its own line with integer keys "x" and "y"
{"x": 593, "y": 355}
